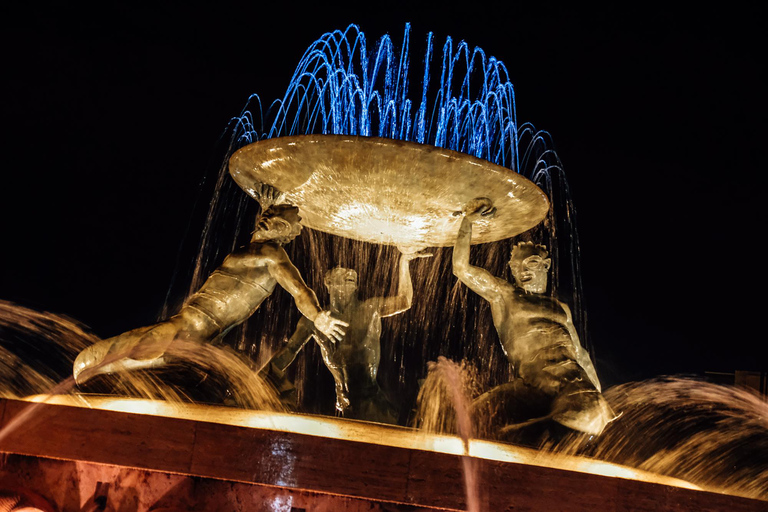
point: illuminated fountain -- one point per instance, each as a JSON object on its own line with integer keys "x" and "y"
{"x": 370, "y": 169}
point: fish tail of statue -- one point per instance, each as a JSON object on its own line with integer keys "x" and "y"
{"x": 138, "y": 349}
{"x": 93, "y": 361}
{"x": 577, "y": 401}
{"x": 584, "y": 410}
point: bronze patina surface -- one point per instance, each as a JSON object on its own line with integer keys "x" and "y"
{"x": 388, "y": 191}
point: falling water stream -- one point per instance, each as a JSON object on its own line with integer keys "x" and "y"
{"x": 444, "y": 407}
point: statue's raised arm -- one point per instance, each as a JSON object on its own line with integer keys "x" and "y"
{"x": 388, "y": 306}
{"x": 553, "y": 374}
{"x": 477, "y": 279}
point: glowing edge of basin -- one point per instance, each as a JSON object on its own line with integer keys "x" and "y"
{"x": 357, "y": 431}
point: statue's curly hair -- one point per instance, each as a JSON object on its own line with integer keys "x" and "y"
{"x": 525, "y": 249}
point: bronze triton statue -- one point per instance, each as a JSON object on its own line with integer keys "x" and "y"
{"x": 555, "y": 379}
{"x": 232, "y": 293}
{"x": 354, "y": 360}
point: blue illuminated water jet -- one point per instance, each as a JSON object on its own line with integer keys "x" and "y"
{"x": 340, "y": 87}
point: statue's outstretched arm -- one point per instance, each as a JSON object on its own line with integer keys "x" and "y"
{"x": 288, "y": 276}
{"x": 389, "y": 306}
{"x": 477, "y": 279}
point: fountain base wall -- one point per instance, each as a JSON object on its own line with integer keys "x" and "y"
{"x": 64, "y": 453}
{"x": 76, "y": 486}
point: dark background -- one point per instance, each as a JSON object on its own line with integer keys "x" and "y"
{"x": 112, "y": 117}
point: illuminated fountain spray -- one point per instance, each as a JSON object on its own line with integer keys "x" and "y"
{"x": 444, "y": 406}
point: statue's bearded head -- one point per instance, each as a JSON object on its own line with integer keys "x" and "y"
{"x": 279, "y": 223}
{"x": 530, "y": 266}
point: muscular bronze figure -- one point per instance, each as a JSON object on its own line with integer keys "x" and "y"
{"x": 231, "y": 295}
{"x": 537, "y": 335}
{"x": 354, "y": 360}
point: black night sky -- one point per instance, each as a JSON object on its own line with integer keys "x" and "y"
{"x": 112, "y": 117}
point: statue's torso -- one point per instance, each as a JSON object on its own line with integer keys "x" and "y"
{"x": 527, "y": 322}
{"x": 235, "y": 290}
{"x": 538, "y": 337}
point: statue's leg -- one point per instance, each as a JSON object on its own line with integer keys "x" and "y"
{"x": 373, "y": 406}
{"x": 282, "y": 385}
{"x": 151, "y": 343}
{"x": 377, "y": 407}
{"x": 366, "y": 399}
{"x": 342, "y": 394}
{"x": 512, "y": 411}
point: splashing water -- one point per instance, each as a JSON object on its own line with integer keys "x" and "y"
{"x": 38, "y": 349}
{"x": 443, "y": 403}
{"x": 444, "y": 407}
{"x": 712, "y": 435}
{"x": 194, "y": 372}
{"x": 340, "y": 87}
